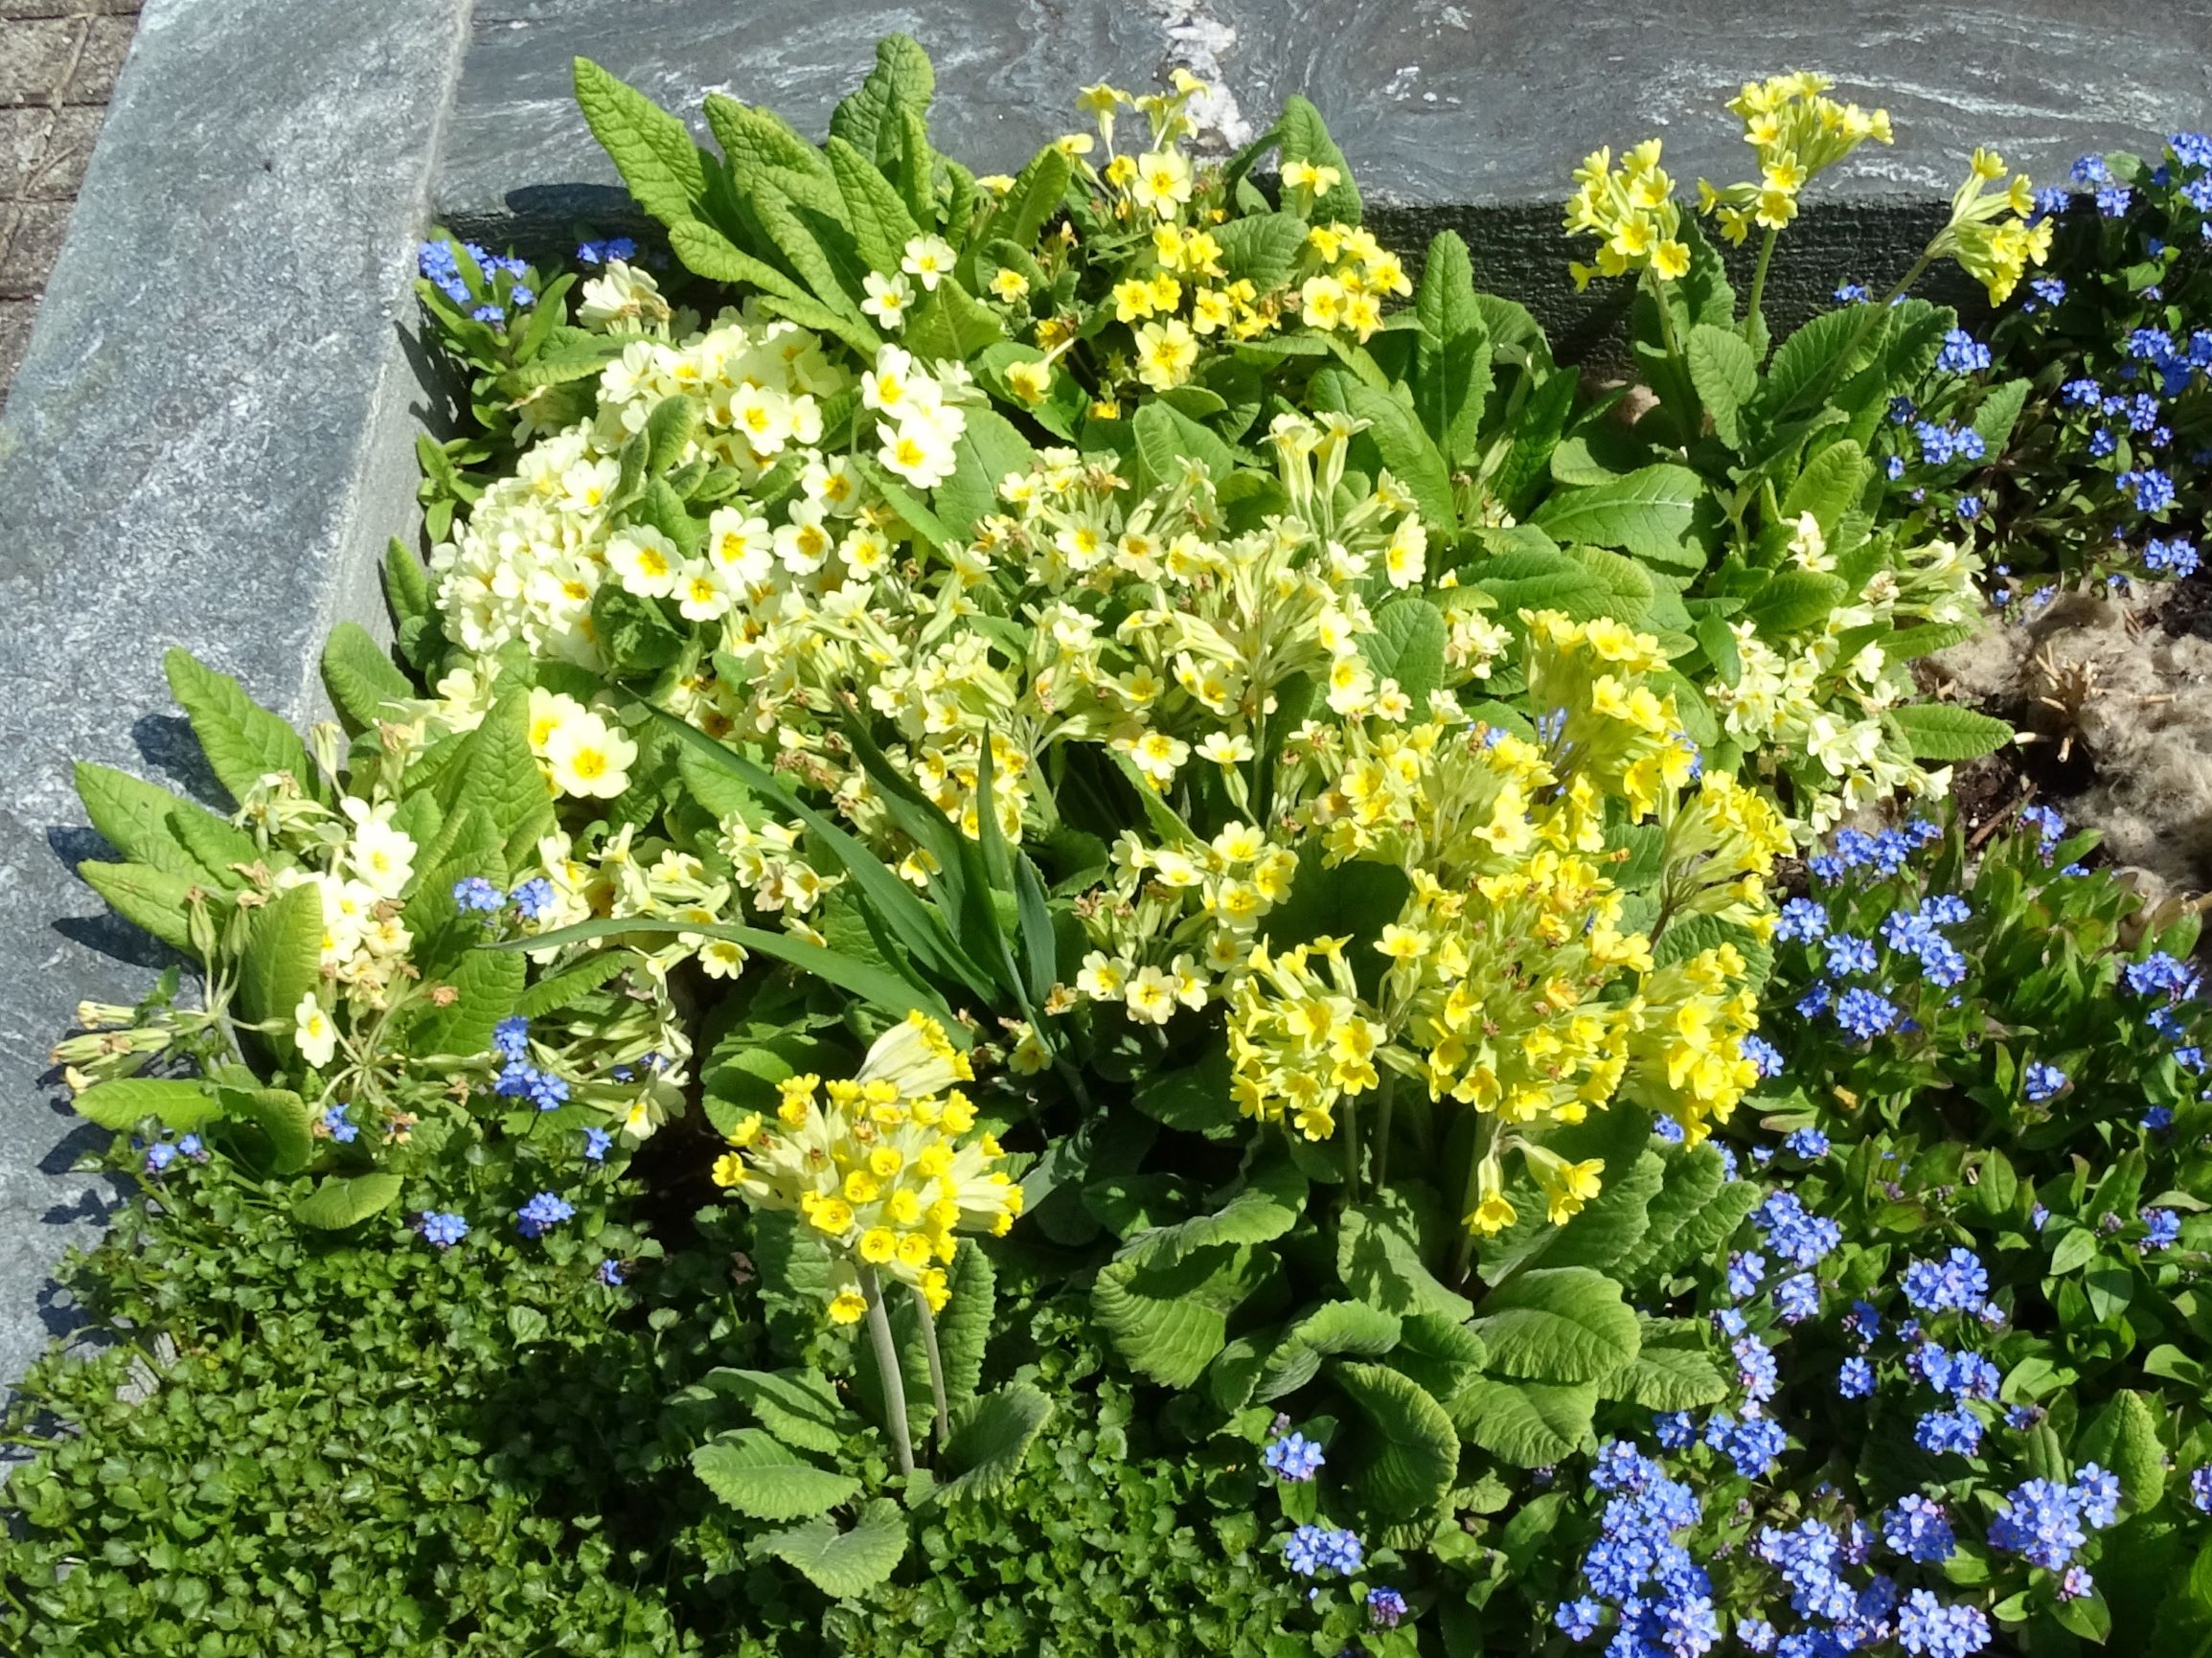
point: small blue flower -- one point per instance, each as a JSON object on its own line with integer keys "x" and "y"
{"x": 1797, "y": 1298}
{"x": 1313, "y": 1549}
{"x": 1386, "y": 1607}
{"x": 1801, "y": 919}
{"x": 1764, "y": 1055}
{"x": 510, "y": 1037}
{"x": 2098, "y": 1492}
{"x": 339, "y": 1126}
{"x": 1746, "y": 1272}
{"x": 441, "y": 1229}
{"x": 534, "y": 899}
{"x": 542, "y": 1213}
{"x": 1956, "y": 1283}
{"x": 1855, "y": 1378}
{"x": 1928, "y": 1629}
{"x": 159, "y": 1156}
{"x": 1294, "y": 1458}
{"x": 1805, "y": 1143}
{"x": 2201, "y": 1488}
{"x": 477, "y": 895}
{"x": 1851, "y": 294}
{"x": 2042, "y": 1522}
{"x": 1848, "y": 955}
{"x": 1953, "y": 1430}
{"x": 2162, "y": 1227}
{"x": 1579, "y": 1620}
{"x": 1865, "y": 1014}
{"x": 596, "y": 1142}
{"x": 610, "y": 1274}
{"x": 2042, "y": 1082}
{"x": 2159, "y": 1117}
{"x": 1917, "y": 1528}
{"x": 1961, "y": 354}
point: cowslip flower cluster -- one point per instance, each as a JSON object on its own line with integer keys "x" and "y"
{"x": 1631, "y": 209}
{"x": 885, "y": 1167}
{"x": 1994, "y": 237}
{"x": 1796, "y": 133}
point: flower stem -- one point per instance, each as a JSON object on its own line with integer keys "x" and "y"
{"x": 936, "y": 1428}
{"x": 887, "y": 1371}
{"x": 1463, "y": 1250}
{"x": 1759, "y": 274}
{"x": 1348, "y": 1132}
{"x": 1383, "y": 1129}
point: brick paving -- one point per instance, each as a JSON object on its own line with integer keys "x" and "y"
{"x": 59, "y": 61}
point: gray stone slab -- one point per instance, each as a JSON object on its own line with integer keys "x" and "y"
{"x": 206, "y": 445}
{"x": 1469, "y": 113}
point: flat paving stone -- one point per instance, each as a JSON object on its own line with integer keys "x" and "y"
{"x": 206, "y": 445}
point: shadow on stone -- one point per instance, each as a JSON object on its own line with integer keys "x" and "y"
{"x": 167, "y": 743}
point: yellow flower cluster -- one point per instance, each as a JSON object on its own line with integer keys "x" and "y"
{"x": 1796, "y": 134}
{"x": 1989, "y": 235}
{"x": 1516, "y": 984}
{"x": 1631, "y": 211}
{"x": 1299, "y": 1042}
{"x": 885, "y": 1167}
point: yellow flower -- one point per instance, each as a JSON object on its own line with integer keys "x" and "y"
{"x": 847, "y": 1307}
{"x": 1161, "y": 182}
{"x": 1165, "y": 353}
{"x": 1008, "y": 285}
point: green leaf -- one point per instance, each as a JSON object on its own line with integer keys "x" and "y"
{"x": 844, "y": 1564}
{"x": 1648, "y": 512}
{"x": 282, "y": 1119}
{"x": 1035, "y": 196}
{"x": 757, "y": 1475}
{"x": 1528, "y": 1424}
{"x": 132, "y": 816}
{"x": 1379, "y": 1258}
{"x": 988, "y": 450}
{"x": 989, "y": 1437}
{"x": 2124, "y": 1438}
{"x": 706, "y": 252}
{"x": 242, "y": 740}
{"x": 1693, "y": 1178}
{"x": 651, "y": 148}
{"x": 1336, "y": 1326}
{"x": 1808, "y": 361}
{"x": 798, "y": 1406}
{"x": 1193, "y": 1098}
{"x": 902, "y": 76}
{"x": 1409, "y": 1453}
{"x": 1405, "y": 449}
{"x": 1563, "y": 1325}
{"x": 1266, "y": 1208}
{"x": 1168, "y": 1322}
{"x": 1167, "y": 439}
{"x": 146, "y": 897}
{"x": 951, "y": 322}
{"x": 1704, "y": 1230}
{"x": 1261, "y": 247}
{"x": 1452, "y": 363}
{"x": 1795, "y": 602}
{"x": 123, "y": 1104}
{"x": 1999, "y": 414}
{"x": 1670, "y": 1373}
{"x": 358, "y": 674}
{"x": 1408, "y": 646}
{"x": 1605, "y": 1232}
{"x": 1828, "y": 486}
{"x": 1944, "y": 731}
{"x": 1304, "y": 136}
{"x": 1440, "y": 1355}
{"x": 1725, "y": 373}
{"x": 497, "y": 777}
{"x": 283, "y": 958}
{"x": 337, "y": 1203}
{"x": 880, "y": 224}
{"x": 964, "y": 1326}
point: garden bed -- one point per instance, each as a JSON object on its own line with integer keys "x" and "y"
{"x": 1076, "y": 916}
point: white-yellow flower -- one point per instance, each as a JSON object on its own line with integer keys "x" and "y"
{"x": 379, "y": 856}
{"x": 644, "y": 560}
{"x": 699, "y": 594}
{"x": 1162, "y": 182}
{"x": 1165, "y": 353}
{"x": 312, "y": 1031}
{"x": 588, "y": 759}
{"x": 928, "y": 261}
{"x": 888, "y": 297}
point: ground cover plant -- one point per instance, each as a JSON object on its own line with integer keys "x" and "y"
{"x": 1073, "y": 921}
